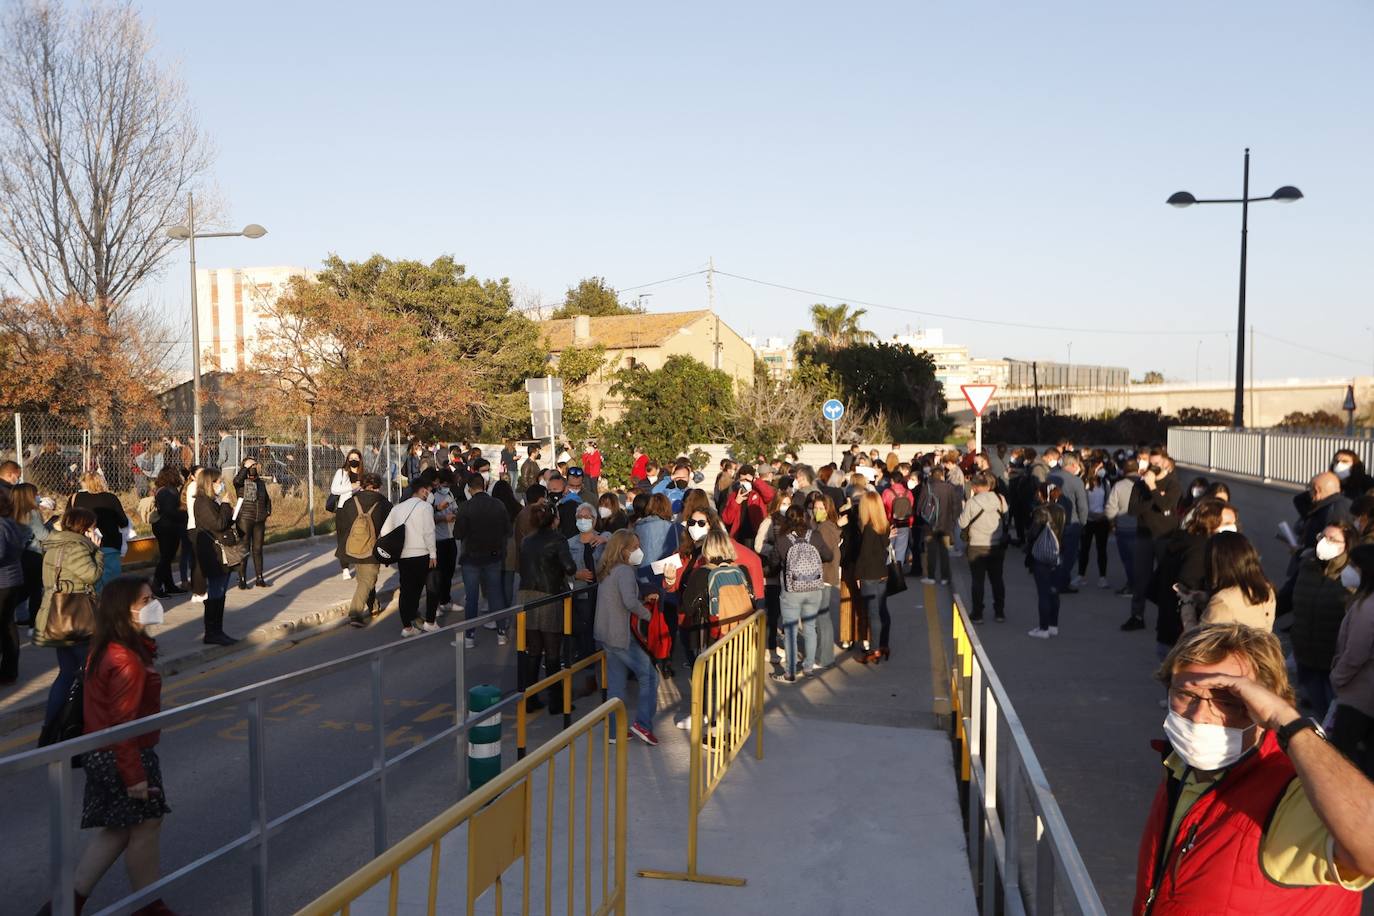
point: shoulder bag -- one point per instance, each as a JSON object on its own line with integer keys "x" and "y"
{"x": 72, "y": 614}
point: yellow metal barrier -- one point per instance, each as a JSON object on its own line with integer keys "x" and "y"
{"x": 727, "y": 706}
{"x": 499, "y": 817}
{"x": 959, "y": 674}
{"x": 939, "y": 667}
{"x": 565, "y": 676}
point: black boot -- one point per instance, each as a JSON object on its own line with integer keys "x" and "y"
{"x": 261, "y": 582}
{"x": 243, "y": 584}
{"x": 214, "y": 624}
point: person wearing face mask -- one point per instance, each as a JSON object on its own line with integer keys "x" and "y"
{"x": 1194, "y": 492}
{"x": 1074, "y": 498}
{"x": 252, "y": 518}
{"x": 347, "y": 481}
{"x": 1097, "y": 527}
{"x": 110, "y": 519}
{"x": 586, "y": 547}
{"x": 1350, "y": 470}
{"x": 766, "y": 546}
{"x": 610, "y": 514}
{"x": 1256, "y": 812}
{"x": 214, "y": 521}
{"x": 1240, "y": 592}
{"x": 617, "y": 600}
{"x": 439, "y": 582}
{"x": 368, "y": 502}
{"x": 747, "y": 506}
{"x": 124, "y": 799}
{"x": 484, "y": 527}
{"x": 529, "y": 471}
{"x": 1154, "y": 503}
{"x": 1122, "y": 523}
{"x": 1352, "y": 668}
{"x": 545, "y": 566}
{"x": 691, "y": 536}
{"x": 1182, "y": 574}
{"x": 822, "y": 510}
{"x": 676, "y": 484}
{"x": 1041, "y": 467}
{"x": 1319, "y": 605}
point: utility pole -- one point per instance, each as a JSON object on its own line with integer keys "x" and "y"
{"x": 711, "y": 304}
{"x": 1035, "y": 381}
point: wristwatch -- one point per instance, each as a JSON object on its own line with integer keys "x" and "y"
{"x": 1286, "y": 733}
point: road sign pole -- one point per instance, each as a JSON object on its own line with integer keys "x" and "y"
{"x": 834, "y": 434}
{"x": 978, "y": 433}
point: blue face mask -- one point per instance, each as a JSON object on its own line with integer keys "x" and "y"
{"x": 585, "y": 524}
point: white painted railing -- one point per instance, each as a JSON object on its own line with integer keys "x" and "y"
{"x": 1268, "y": 455}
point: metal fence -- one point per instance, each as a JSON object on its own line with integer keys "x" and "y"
{"x": 1269, "y": 455}
{"x": 297, "y": 457}
{"x": 56, "y": 760}
{"x": 999, "y": 766}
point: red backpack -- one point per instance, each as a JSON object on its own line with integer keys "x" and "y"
{"x": 652, "y": 634}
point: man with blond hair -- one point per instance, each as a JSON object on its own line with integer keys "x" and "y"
{"x": 1257, "y": 812}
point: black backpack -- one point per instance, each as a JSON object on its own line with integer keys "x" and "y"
{"x": 390, "y": 545}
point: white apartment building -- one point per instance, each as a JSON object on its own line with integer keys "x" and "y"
{"x": 776, "y": 353}
{"x": 229, "y": 311}
{"x": 953, "y": 364}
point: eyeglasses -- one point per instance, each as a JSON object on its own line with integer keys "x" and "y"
{"x": 697, "y": 523}
{"x": 1182, "y": 701}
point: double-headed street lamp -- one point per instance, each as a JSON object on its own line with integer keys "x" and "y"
{"x": 1284, "y": 195}
{"x": 188, "y": 232}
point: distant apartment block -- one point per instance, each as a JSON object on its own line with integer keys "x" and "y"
{"x": 229, "y": 311}
{"x": 775, "y": 353}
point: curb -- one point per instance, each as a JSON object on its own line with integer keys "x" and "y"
{"x": 259, "y": 641}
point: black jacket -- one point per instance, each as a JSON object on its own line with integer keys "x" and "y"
{"x": 167, "y": 503}
{"x": 214, "y": 522}
{"x": 545, "y": 562}
{"x": 1157, "y": 509}
{"x": 257, "y": 505}
{"x": 361, "y": 501}
{"x": 1317, "y": 515}
{"x": 109, "y": 515}
{"x": 1319, "y": 606}
{"x": 483, "y": 525}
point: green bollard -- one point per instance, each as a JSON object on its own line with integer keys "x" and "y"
{"x": 484, "y": 739}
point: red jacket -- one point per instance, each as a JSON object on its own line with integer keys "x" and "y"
{"x": 640, "y": 469}
{"x": 591, "y": 463}
{"x": 1214, "y": 866}
{"x": 755, "y": 508}
{"x": 121, "y": 688}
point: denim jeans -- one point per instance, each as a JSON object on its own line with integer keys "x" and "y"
{"x": 1045, "y": 590}
{"x": 478, "y": 578}
{"x": 1125, "y": 548}
{"x": 216, "y": 586}
{"x": 901, "y": 541}
{"x": 69, "y": 661}
{"x": 113, "y": 565}
{"x": 1068, "y": 554}
{"x": 619, "y": 662}
{"x": 1314, "y": 688}
{"x": 825, "y": 626}
{"x": 874, "y": 595}
{"x": 800, "y": 609}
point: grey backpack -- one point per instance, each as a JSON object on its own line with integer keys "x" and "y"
{"x": 802, "y": 572}
{"x": 1046, "y": 547}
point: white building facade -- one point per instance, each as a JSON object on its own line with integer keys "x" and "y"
{"x": 230, "y": 304}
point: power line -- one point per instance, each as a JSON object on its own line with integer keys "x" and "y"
{"x": 1326, "y": 353}
{"x": 695, "y": 273}
{"x": 948, "y": 317}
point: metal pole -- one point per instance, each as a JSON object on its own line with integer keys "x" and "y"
{"x": 386, "y": 454}
{"x": 834, "y": 434}
{"x": 257, "y": 787}
{"x": 978, "y": 433}
{"x": 310, "y": 471}
{"x": 61, "y": 852}
{"x": 19, "y": 442}
{"x": 1238, "y": 415}
{"x": 195, "y": 332}
{"x": 1035, "y": 381}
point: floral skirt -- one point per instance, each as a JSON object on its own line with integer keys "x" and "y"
{"x": 107, "y": 803}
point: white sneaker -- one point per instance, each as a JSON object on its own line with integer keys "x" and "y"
{"x": 782, "y": 655}
{"x": 429, "y": 627}
{"x": 927, "y": 581}
{"x": 501, "y": 639}
{"x": 469, "y": 642}
{"x": 197, "y": 599}
{"x": 810, "y": 670}
{"x": 489, "y": 625}
{"x": 1038, "y": 633}
{"x": 441, "y": 610}
{"x": 866, "y": 646}
{"x": 685, "y": 723}
{"x": 407, "y": 632}
{"x": 1102, "y": 582}
{"x": 1054, "y": 631}
{"x": 456, "y": 608}
{"x": 944, "y": 582}
{"x": 345, "y": 575}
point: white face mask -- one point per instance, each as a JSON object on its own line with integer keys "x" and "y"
{"x": 1328, "y": 549}
{"x": 745, "y": 486}
{"x": 604, "y": 511}
{"x": 1341, "y": 469}
{"x": 219, "y": 488}
{"x": 486, "y": 477}
{"x": 1204, "y": 746}
{"x": 1221, "y": 528}
{"x": 1197, "y": 492}
{"x": 1350, "y": 577}
{"x": 784, "y": 505}
{"x": 585, "y": 524}
{"x": 151, "y": 613}
{"x": 636, "y": 557}
{"x": 1052, "y": 462}
{"x": 698, "y": 531}
{"x": 1101, "y": 472}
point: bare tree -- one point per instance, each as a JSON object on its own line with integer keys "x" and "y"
{"x": 98, "y": 149}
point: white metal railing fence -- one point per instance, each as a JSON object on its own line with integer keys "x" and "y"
{"x": 1270, "y": 455}
{"x": 56, "y": 759}
{"x": 998, "y": 765}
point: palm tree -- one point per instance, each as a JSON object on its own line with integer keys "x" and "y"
{"x": 837, "y": 326}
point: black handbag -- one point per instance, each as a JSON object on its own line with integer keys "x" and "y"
{"x": 331, "y": 503}
{"x": 70, "y": 720}
{"x": 896, "y": 579}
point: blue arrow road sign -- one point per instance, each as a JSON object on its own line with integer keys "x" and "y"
{"x": 832, "y": 410}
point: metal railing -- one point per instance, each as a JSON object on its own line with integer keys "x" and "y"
{"x": 56, "y": 759}
{"x": 1269, "y": 455}
{"x": 562, "y": 676}
{"x": 500, "y": 821}
{"x": 995, "y": 772}
{"x": 727, "y": 707}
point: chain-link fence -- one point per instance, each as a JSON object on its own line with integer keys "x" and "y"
{"x": 298, "y": 458}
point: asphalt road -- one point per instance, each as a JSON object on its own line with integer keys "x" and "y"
{"x": 317, "y": 736}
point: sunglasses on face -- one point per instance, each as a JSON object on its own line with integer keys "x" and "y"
{"x": 697, "y": 523}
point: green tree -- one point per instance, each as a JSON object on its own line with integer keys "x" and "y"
{"x": 667, "y": 409}
{"x": 834, "y": 326}
{"x": 892, "y": 380}
{"x": 592, "y": 297}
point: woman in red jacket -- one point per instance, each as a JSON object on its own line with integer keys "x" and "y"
{"x": 124, "y": 800}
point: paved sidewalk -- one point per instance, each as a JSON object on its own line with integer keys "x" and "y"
{"x": 306, "y": 595}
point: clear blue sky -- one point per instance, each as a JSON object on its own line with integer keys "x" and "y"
{"x": 1006, "y": 161}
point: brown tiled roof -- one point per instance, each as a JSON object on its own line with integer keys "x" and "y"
{"x": 621, "y": 332}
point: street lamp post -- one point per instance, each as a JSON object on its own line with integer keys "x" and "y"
{"x": 1284, "y": 195}
{"x": 189, "y": 234}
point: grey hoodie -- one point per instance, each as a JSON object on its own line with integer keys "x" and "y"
{"x": 982, "y": 516}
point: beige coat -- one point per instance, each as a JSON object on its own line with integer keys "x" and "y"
{"x": 1229, "y": 606}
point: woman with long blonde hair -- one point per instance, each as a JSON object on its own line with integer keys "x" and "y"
{"x": 214, "y": 526}
{"x": 868, "y": 546}
{"x": 617, "y": 600}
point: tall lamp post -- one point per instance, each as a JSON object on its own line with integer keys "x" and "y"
{"x": 188, "y": 233}
{"x": 1284, "y": 195}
